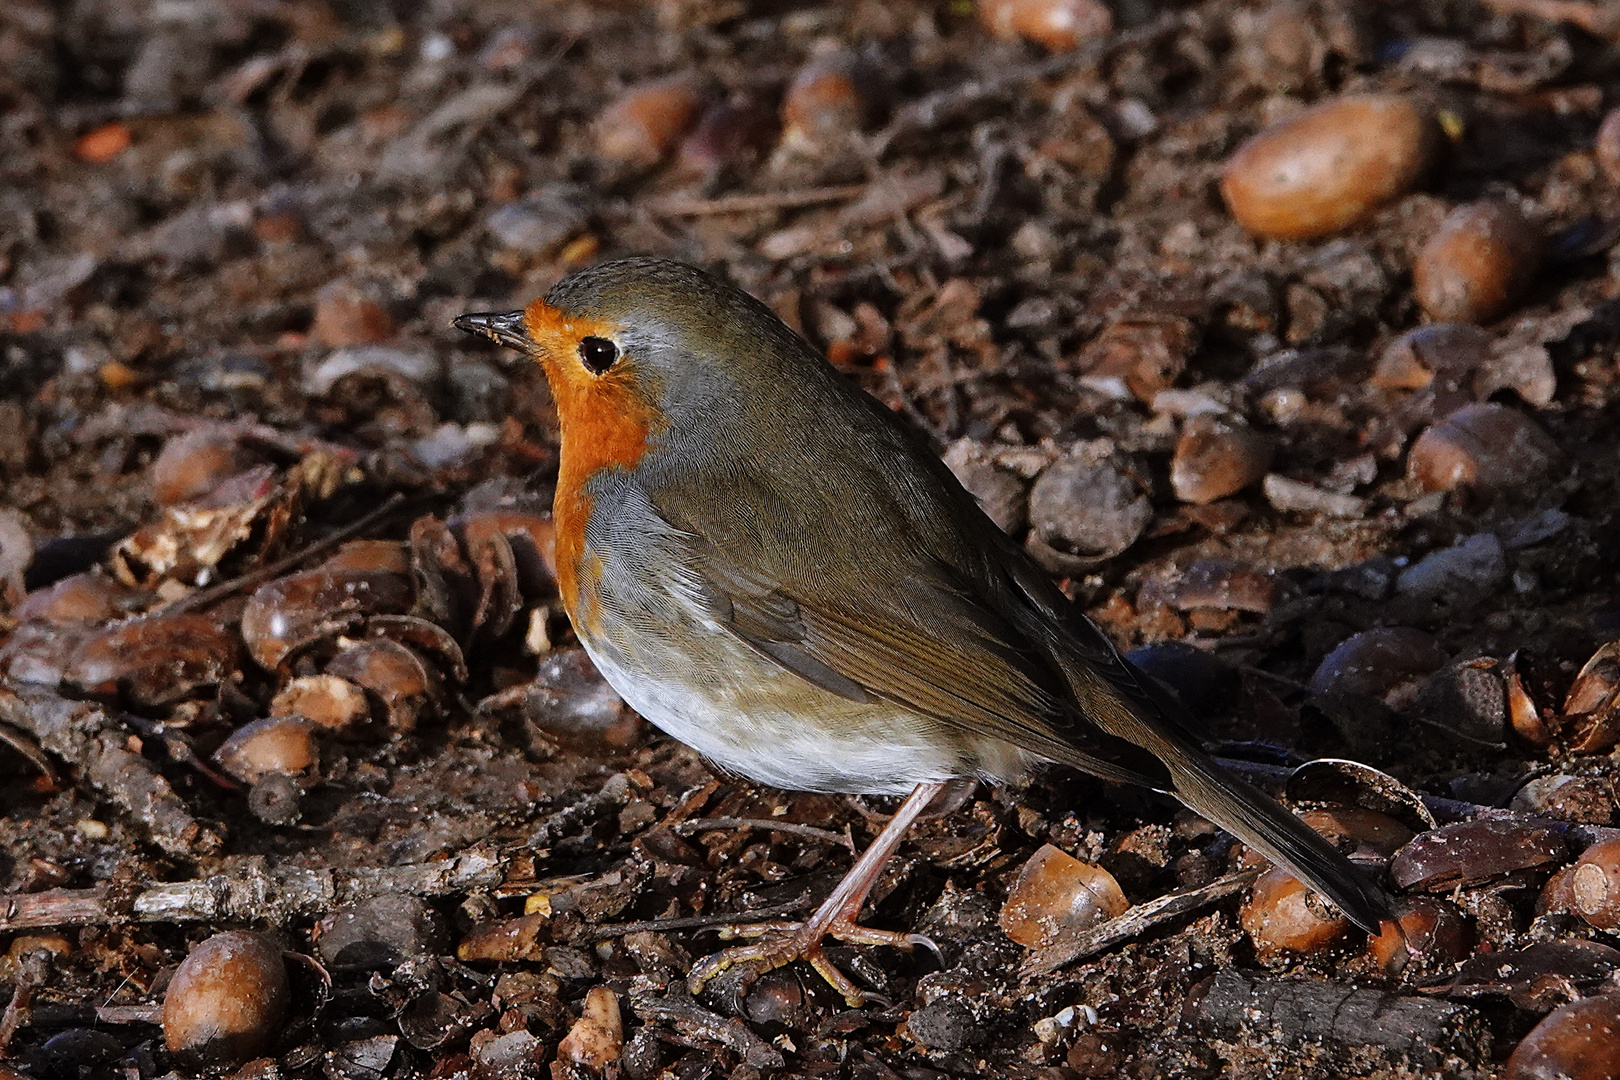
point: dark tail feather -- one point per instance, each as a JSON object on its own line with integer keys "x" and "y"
{"x": 1261, "y": 822}
{"x": 1130, "y": 706}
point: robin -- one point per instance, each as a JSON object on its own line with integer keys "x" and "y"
{"x": 768, "y": 565}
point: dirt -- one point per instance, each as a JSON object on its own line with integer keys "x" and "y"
{"x": 251, "y": 224}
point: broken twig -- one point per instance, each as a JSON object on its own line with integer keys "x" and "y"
{"x": 1138, "y": 920}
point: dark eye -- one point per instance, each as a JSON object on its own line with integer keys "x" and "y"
{"x": 597, "y": 354}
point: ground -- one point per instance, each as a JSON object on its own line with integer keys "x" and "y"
{"x": 233, "y": 236}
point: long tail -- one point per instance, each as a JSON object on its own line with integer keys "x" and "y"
{"x": 1264, "y": 824}
{"x": 1122, "y": 703}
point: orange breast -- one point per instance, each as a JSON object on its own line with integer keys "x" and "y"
{"x": 606, "y": 422}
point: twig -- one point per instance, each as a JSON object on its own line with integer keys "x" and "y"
{"x": 700, "y": 922}
{"x": 16, "y": 1013}
{"x": 61, "y": 1016}
{"x": 203, "y": 598}
{"x": 82, "y": 733}
{"x": 825, "y": 836}
{"x": 1296, "y": 1010}
{"x": 689, "y": 1018}
{"x": 1138, "y": 920}
{"x": 253, "y": 893}
{"x": 615, "y": 792}
{"x": 675, "y": 206}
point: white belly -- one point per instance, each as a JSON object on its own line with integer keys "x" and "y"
{"x": 649, "y": 628}
{"x": 858, "y": 749}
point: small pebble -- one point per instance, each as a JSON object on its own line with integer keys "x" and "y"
{"x": 227, "y": 1000}
{"x": 1216, "y": 458}
{"x": 1462, "y": 573}
{"x": 944, "y": 1024}
{"x": 1576, "y": 1041}
{"x": 1058, "y": 25}
{"x": 1090, "y": 504}
{"x": 1331, "y": 166}
{"x": 1447, "y": 353}
{"x": 1478, "y": 264}
{"x": 1296, "y": 496}
{"x": 103, "y": 143}
{"x": 516, "y": 1055}
{"x": 570, "y": 702}
{"x": 1488, "y": 447}
{"x": 506, "y": 939}
{"x": 347, "y": 315}
{"x": 539, "y": 223}
{"x": 76, "y": 1053}
{"x": 412, "y": 364}
{"x": 1056, "y": 895}
{"x": 826, "y": 101}
{"x": 1467, "y": 698}
{"x": 378, "y": 933}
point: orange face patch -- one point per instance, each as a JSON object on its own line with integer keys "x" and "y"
{"x": 606, "y": 421}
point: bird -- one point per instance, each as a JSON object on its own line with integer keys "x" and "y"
{"x": 772, "y": 567}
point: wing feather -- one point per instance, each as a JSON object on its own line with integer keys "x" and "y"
{"x": 927, "y": 643}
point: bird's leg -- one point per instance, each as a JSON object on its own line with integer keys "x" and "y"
{"x": 783, "y": 943}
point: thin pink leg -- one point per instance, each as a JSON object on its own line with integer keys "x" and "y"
{"x": 781, "y": 944}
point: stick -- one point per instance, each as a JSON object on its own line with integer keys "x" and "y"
{"x": 1296, "y": 1010}
{"x": 676, "y": 206}
{"x": 700, "y": 922}
{"x": 254, "y": 892}
{"x": 82, "y": 733}
{"x": 689, "y": 1018}
{"x": 203, "y": 598}
{"x": 1138, "y": 920}
{"x": 810, "y": 832}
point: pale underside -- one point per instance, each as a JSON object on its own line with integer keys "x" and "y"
{"x": 665, "y": 651}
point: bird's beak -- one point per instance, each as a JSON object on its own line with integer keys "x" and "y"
{"x": 503, "y": 328}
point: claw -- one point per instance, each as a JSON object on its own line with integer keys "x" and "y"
{"x": 928, "y": 943}
{"x": 779, "y": 944}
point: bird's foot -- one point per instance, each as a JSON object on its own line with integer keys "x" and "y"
{"x": 780, "y": 943}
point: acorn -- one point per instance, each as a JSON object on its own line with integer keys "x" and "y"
{"x": 1330, "y": 166}
{"x": 226, "y": 1002}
